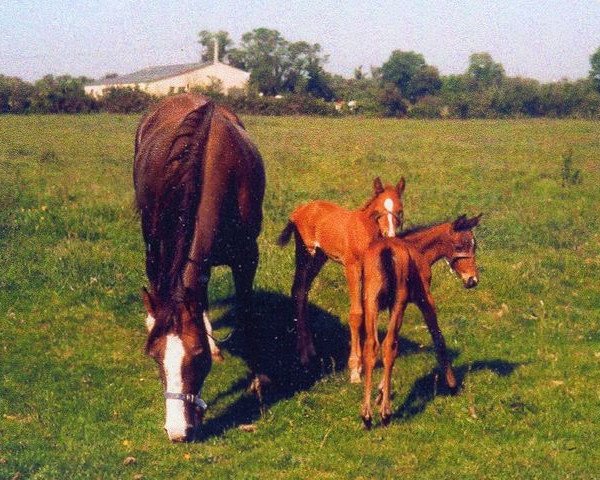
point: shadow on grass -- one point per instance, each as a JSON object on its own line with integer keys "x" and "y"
{"x": 427, "y": 387}
{"x": 277, "y": 358}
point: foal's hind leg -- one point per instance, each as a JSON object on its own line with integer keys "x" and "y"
{"x": 390, "y": 352}
{"x": 371, "y": 347}
{"x": 307, "y": 268}
{"x": 355, "y": 320}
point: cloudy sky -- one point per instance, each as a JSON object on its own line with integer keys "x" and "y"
{"x": 543, "y": 39}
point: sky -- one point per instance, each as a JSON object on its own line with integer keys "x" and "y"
{"x": 544, "y": 39}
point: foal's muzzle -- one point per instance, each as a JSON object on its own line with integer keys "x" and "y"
{"x": 471, "y": 282}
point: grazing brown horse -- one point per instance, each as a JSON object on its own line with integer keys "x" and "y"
{"x": 396, "y": 272}
{"x": 324, "y": 231}
{"x": 199, "y": 185}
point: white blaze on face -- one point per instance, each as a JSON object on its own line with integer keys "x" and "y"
{"x": 389, "y": 206}
{"x": 175, "y": 423}
{"x": 150, "y": 321}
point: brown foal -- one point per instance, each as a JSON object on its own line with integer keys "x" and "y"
{"x": 322, "y": 231}
{"x": 396, "y": 272}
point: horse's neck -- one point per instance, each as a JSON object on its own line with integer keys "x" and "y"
{"x": 430, "y": 243}
{"x": 365, "y": 217}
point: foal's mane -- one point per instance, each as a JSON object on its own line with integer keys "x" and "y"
{"x": 419, "y": 228}
{"x": 369, "y": 202}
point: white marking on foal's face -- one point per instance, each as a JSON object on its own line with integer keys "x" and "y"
{"x": 175, "y": 423}
{"x": 389, "y": 206}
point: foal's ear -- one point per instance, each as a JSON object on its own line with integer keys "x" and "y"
{"x": 400, "y": 187}
{"x": 377, "y": 186}
{"x": 460, "y": 223}
{"x": 473, "y": 222}
{"x": 149, "y": 302}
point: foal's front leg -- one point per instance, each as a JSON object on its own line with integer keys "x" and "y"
{"x": 427, "y": 307}
{"x": 355, "y": 320}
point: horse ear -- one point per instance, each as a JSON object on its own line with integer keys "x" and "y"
{"x": 400, "y": 187}
{"x": 473, "y": 222}
{"x": 149, "y": 302}
{"x": 377, "y": 186}
{"x": 459, "y": 224}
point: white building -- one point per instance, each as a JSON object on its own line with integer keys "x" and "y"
{"x": 168, "y": 79}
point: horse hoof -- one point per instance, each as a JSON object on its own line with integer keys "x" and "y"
{"x": 367, "y": 422}
{"x": 354, "y": 376}
{"x": 385, "y": 419}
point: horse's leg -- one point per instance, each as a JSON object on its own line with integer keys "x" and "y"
{"x": 371, "y": 347}
{"x": 355, "y": 320}
{"x": 215, "y": 352}
{"x": 243, "y": 269}
{"x": 390, "y": 352}
{"x": 307, "y": 268}
{"x": 426, "y": 304}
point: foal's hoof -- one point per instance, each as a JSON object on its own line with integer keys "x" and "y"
{"x": 354, "y": 376}
{"x": 385, "y": 419}
{"x": 367, "y": 422}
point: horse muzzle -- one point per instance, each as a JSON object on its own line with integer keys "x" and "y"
{"x": 471, "y": 282}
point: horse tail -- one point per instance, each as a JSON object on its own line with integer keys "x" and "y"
{"x": 388, "y": 270}
{"x": 286, "y": 234}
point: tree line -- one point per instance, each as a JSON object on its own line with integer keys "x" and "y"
{"x": 290, "y": 78}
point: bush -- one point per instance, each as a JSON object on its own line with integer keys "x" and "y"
{"x": 427, "y": 107}
{"x": 125, "y": 100}
{"x": 295, "y": 104}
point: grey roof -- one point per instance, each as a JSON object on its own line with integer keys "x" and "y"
{"x": 152, "y": 74}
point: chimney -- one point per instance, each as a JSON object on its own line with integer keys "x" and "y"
{"x": 216, "y": 57}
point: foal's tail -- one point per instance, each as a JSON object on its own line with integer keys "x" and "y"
{"x": 286, "y": 234}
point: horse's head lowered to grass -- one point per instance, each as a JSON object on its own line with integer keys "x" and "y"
{"x": 178, "y": 343}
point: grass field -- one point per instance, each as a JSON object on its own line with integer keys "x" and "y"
{"x": 78, "y": 396}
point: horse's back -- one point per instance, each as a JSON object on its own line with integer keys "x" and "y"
{"x": 197, "y": 178}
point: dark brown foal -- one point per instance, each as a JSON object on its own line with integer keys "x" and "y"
{"x": 396, "y": 272}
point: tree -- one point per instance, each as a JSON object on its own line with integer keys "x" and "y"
{"x": 263, "y": 52}
{"x": 400, "y": 69}
{"x": 426, "y": 81}
{"x": 278, "y": 66}
{"x": 595, "y": 71}
{"x": 62, "y": 94}
{"x": 484, "y": 71}
{"x": 207, "y": 40}
{"x": 15, "y": 95}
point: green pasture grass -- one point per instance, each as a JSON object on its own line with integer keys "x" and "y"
{"x": 78, "y": 396}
